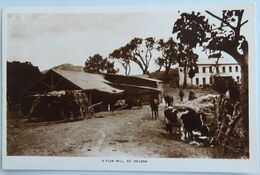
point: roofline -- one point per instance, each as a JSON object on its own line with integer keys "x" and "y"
{"x": 135, "y": 76}
{"x": 87, "y": 89}
{"x": 53, "y": 70}
{"x": 141, "y": 87}
{"x": 219, "y": 64}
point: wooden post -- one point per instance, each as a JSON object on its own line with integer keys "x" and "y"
{"x": 108, "y": 106}
{"x": 52, "y": 84}
{"x": 90, "y": 98}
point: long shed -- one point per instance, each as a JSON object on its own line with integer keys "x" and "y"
{"x": 96, "y": 87}
{"x": 136, "y": 87}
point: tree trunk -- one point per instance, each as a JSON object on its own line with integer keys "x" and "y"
{"x": 167, "y": 69}
{"x": 159, "y": 69}
{"x": 185, "y": 76}
{"x": 145, "y": 70}
{"x": 126, "y": 71}
{"x": 244, "y": 95}
{"x": 191, "y": 81}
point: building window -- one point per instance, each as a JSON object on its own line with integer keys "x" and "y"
{"x": 210, "y": 69}
{"x": 217, "y": 68}
{"x": 204, "y": 81}
{"x": 197, "y": 81}
{"x": 196, "y": 69}
{"x": 223, "y": 69}
{"x": 236, "y": 68}
{"x": 230, "y": 68}
{"x": 210, "y": 80}
{"x": 238, "y": 79}
{"x": 204, "y": 69}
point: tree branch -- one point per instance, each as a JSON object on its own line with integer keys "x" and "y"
{"x": 215, "y": 16}
{"x": 129, "y": 69}
{"x": 137, "y": 53}
{"x": 243, "y": 23}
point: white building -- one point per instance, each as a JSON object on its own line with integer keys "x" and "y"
{"x": 207, "y": 68}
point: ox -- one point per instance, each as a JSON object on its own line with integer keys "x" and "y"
{"x": 168, "y": 100}
{"x": 187, "y": 120}
{"x": 154, "y": 104}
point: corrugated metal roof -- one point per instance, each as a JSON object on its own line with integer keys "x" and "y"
{"x": 87, "y": 81}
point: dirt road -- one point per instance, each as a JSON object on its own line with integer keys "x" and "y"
{"x": 130, "y": 133}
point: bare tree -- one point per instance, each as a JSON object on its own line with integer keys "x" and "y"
{"x": 140, "y": 51}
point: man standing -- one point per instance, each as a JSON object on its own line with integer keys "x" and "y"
{"x": 181, "y": 94}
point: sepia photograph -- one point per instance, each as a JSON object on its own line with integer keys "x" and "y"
{"x": 128, "y": 83}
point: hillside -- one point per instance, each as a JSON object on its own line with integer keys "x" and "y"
{"x": 66, "y": 66}
{"x": 69, "y": 67}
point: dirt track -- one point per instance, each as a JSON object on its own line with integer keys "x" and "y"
{"x": 130, "y": 133}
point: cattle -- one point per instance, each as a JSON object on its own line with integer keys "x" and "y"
{"x": 168, "y": 100}
{"x": 187, "y": 120}
{"x": 154, "y": 104}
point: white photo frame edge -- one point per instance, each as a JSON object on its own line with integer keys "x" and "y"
{"x": 154, "y": 164}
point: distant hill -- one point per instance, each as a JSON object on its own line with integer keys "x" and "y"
{"x": 68, "y": 67}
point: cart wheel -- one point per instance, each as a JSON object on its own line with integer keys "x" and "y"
{"x": 83, "y": 111}
{"x": 90, "y": 112}
{"x": 139, "y": 103}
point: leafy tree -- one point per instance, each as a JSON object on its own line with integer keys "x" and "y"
{"x": 122, "y": 55}
{"x": 192, "y": 72}
{"x": 193, "y": 28}
{"x": 187, "y": 59}
{"x": 185, "y": 27}
{"x": 19, "y": 76}
{"x": 160, "y": 62}
{"x": 97, "y": 64}
{"x": 170, "y": 51}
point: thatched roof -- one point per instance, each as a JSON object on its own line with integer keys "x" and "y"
{"x": 87, "y": 81}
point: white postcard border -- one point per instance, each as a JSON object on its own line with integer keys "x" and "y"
{"x": 153, "y": 164}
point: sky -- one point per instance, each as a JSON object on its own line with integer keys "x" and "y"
{"x": 50, "y": 39}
